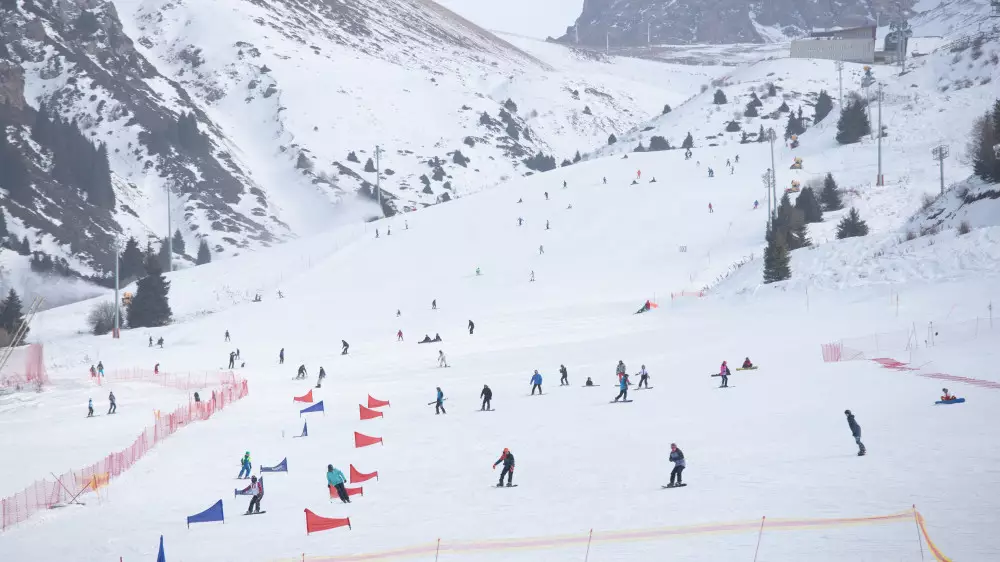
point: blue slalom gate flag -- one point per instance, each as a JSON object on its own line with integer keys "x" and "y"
{"x": 213, "y": 513}
{"x": 317, "y": 407}
{"x": 161, "y": 557}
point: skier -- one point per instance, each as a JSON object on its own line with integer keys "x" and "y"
{"x": 724, "y": 373}
{"x": 710, "y": 209}
{"x": 546, "y": 195}
{"x": 643, "y": 377}
{"x": 335, "y": 480}
{"x": 346, "y": 347}
{"x": 90, "y": 408}
{"x": 520, "y": 221}
{"x": 256, "y": 489}
{"x": 507, "y": 458}
{"x": 399, "y": 335}
{"x": 434, "y": 304}
{"x": 711, "y": 172}
{"x": 729, "y": 163}
{"x": 623, "y": 383}
{"x": 246, "y": 466}
{"x": 301, "y": 374}
{"x": 442, "y": 360}
{"x": 100, "y": 368}
{"x": 747, "y": 364}
{"x": 232, "y": 359}
{"x": 472, "y": 327}
{"x": 227, "y": 335}
{"x": 281, "y": 357}
{"x": 589, "y": 382}
{"x": 605, "y": 180}
{"x": 487, "y": 396}
{"x": 541, "y": 249}
{"x": 532, "y": 278}
{"x": 563, "y": 376}
{"x": 322, "y": 375}
{"x": 737, "y": 158}
{"x": 376, "y": 233}
{"x": 856, "y": 432}
{"x": 536, "y": 383}
{"x": 676, "y": 457}
{"x": 159, "y": 342}
{"x": 439, "y": 403}
{"x": 112, "y": 408}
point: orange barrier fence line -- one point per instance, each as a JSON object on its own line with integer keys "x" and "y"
{"x": 534, "y": 543}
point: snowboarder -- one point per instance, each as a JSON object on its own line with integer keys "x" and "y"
{"x": 589, "y": 382}
{"x": 623, "y": 383}
{"x": 281, "y": 357}
{"x": 93, "y": 371}
{"x": 256, "y": 489}
{"x": 711, "y": 172}
{"x": 710, "y": 209}
{"x": 605, "y": 180}
{"x": 855, "y": 431}
{"x": 541, "y": 249}
{"x": 345, "y": 345}
{"x": 620, "y": 369}
{"x": 159, "y": 342}
{"x": 281, "y": 295}
{"x": 520, "y": 200}
{"x": 246, "y": 467}
{"x": 947, "y": 395}
{"x": 156, "y": 369}
{"x": 335, "y": 481}
{"x": 100, "y": 367}
{"x": 399, "y": 335}
{"x": 301, "y": 374}
{"x": 569, "y": 207}
{"x": 563, "y": 376}
{"x": 536, "y": 383}
{"x": 729, "y": 163}
{"x": 546, "y": 225}
{"x": 532, "y": 278}
{"x": 487, "y": 396}
{"x": 747, "y": 364}
{"x": 724, "y": 373}
{"x": 643, "y": 377}
{"x": 434, "y": 304}
{"x": 90, "y": 408}
{"x": 653, "y": 180}
{"x": 388, "y": 231}
{"x": 237, "y": 353}
{"x": 478, "y": 272}
{"x": 398, "y": 313}
{"x": 150, "y": 341}
{"x": 112, "y": 408}
{"x": 442, "y": 360}
{"x": 737, "y": 158}
{"x": 546, "y": 195}
{"x": 520, "y": 221}
{"x": 644, "y": 308}
{"x": 376, "y": 233}
{"x": 564, "y": 184}
{"x": 227, "y": 335}
{"x": 439, "y": 403}
{"x": 507, "y": 458}
{"x": 322, "y": 375}
{"x": 406, "y": 225}
{"x": 676, "y": 457}
{"x": 638, "y": 174}
{"x": 232, "y": 359}
{"x": 472, "y": 327}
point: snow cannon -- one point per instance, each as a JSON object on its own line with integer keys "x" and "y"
{"x": 797, "y": 164}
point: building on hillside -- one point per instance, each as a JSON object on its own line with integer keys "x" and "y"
{"x": 855, "y": 44}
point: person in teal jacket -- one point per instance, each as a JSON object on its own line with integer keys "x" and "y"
{"x": 536, "y": 383}
{"x": 335, "y": 479}
{"x": 246, "y": 466}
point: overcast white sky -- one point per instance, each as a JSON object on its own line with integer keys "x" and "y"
{"x": 534, "y": 18}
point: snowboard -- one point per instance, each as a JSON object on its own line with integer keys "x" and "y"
{"x": 644, "y": 388}
{"x": 719, "y": 375}
{"x": 256, "y": 513}
{"x": 730, "y": 386}
{"x": 539, "y": 394}
{"x": 754, "y": 368}
{"x": 619, "y": 402}
{"x": 490, "y": 410}
{"x": 593, "y": 385}
{"x": 955, "y": 401}
{"x": 511, "y": 486}
{"x": 674, "y": 486}
{"x": 435, "y": 402}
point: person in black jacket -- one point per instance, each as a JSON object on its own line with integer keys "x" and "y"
{"x": 507, "y": 458}
{"x": 855, "y": 431}
{"x": 486, "y": 395}
{"x": 564, "y": 376}
{"x": 676, "y": 457}
{"x": 346, "y": 347}
{"x": 472, "y": 327}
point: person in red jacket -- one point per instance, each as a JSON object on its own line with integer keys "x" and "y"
{"x": 256, "y": 488}
{"x": 507, "y": 458}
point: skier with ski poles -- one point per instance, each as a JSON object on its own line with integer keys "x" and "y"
{"x": 507, "y": 458}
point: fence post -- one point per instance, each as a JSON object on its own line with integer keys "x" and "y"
{"x": 759, "y": 534}
{"x": 437, "y": 552}
{"x": 919, "y": 540}
{"x": 590, "y": 537}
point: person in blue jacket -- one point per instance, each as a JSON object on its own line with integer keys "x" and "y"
{"x": 623, "y": 383}
{"x": 246, "y": 466}
{"x": 536, "y": 383}
{"x": 335, "y": 480}
{"x": 439, "y": 402}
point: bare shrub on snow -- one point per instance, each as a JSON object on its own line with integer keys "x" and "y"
{"x": 101, "y": 318}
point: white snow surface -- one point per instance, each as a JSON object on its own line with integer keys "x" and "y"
{"x": 523, "y": 17}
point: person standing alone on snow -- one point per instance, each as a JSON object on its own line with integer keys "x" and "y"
{"x": 439, "y": 403}
{"x": 855, "y": 431}
{"x": 536, "y": 383}
{"x": 643, "y": 377}
{"x": 345, "y": 345}
{"x": 563, "y": 376}
{"x": 623, "y": 383}
{"x": 245, "y": 466}
{"x": 281, "y": 357}
{"x": 227, "y": 335}
{"x": 487, "y": 396}
{"x": 442, "y": 360}
{"x": 335, "y": 481}
{"x": 100, "y": 367}
{"x": 399, "y": 335}
{"x": 507, "y": 458}
{"x": 90, "y": 408}
{"x": 472, "y": 327}
{"x": 112, "y": 408}
{"x": 724, "y": 373}
{"x": 676, "y": 457}
{"x": 232, "y": 359}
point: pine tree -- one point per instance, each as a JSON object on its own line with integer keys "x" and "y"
{"x": 24, "y": 248}
{"x": 150, "y": 305}
{"x": 204, "y": 254}
{"x": 657, "y": 143}
{"x": 733, "y": 127}
{"x": 178, "y": 242}
{"x": 771, "y": 90}
{"x": 688, "y": 141}
{"x": 852, "y": 225}
{"x": 639, "y": 148}
{"x": 799, "y": 237}
{"x": 853, "y": 123}
{"x": 986, "y": 134}
{"x": 586, "y": 110}
{"x": 370, "y": 165}
{"x": 824, "y": 105}
{"x": 719, "y": 98}
{"x": 163, "y": 256}
{"x": 776, "y": 260}
{"x": 751, "y": 111}
{"x": 762, "y": 135}
{"x": 577, "y": 157}
{"x": 130, "y": 265}
{"x": 612, "y": 139}
{"x": 754, "y": 101}
{"x": 744, "y": 138}
{"x": 794, "y": 126}
{"x": 783, "y": 108}
{"x": 666, "y": 109}
{"x": 830, "y": 197}
{"x": 809, "y": 205}
{"x": 11, "y": 314}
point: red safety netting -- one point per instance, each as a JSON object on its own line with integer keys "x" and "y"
{"x": 182, "y": 381}
{"x": 24, "y": 368}
{"x": 44, "y": 494}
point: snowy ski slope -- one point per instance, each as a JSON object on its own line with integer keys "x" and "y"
{"x": 774, "y": 444}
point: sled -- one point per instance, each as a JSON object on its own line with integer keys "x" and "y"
{"x": 955, "y": 401}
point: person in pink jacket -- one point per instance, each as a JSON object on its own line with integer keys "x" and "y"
{"x": 724, "y": 373}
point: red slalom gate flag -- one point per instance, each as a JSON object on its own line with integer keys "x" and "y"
{"x": 357, "y": 477}
{"x": 359, "y": 491}
{"x": 369, "y": 414}
{"x": 362, "y": 440}
{"x": 307, "y": 397}
{"x": 315, "y": 523}
{"x": 376, "y": 403}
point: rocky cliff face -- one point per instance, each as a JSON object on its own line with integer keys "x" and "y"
{"x": 717, "y": 21}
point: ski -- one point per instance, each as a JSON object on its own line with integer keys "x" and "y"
{"x": 674, "y": 486}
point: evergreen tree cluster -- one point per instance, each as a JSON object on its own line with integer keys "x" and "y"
{"x": 130, "y": 263}
{"x": 852, "y": 225}
{"x": 985, "y": 135}
{"x": 824, "y": 105}
{"x": 733, "y": 127}
{"x": 188, "y": 136}
{"x": 853, "y": 123}
{"x": 11, "y": 314}
{"x": 658, "y": 143}
{"x": 44, "y": 263}
{"x": 795, "y": 125}
{"x": 76, "y": 162}
{"x": 612, "y": 139}
{"x": 540, "y": 162}
{"x": 666, "y": 109}
{"x": 13, "y": 172}
{"x": 204, "y": 254}
{"x": 688, "y": 142}
{"x": 776, "y": 259}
